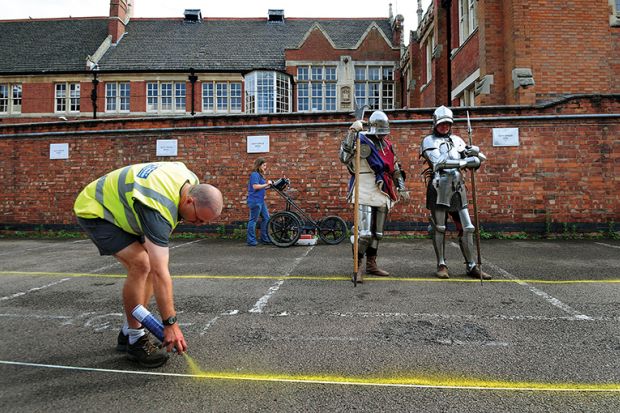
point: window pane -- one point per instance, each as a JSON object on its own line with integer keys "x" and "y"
{"x": 152, "y": 96}
{"x": 75, "y": 97}
{"x": 207, "y": 97}
{"x": 166, "y": 96}
{"x": 317, "y": 96}
{"x": 330, "y": 96}
{"x": 250, "y": 93}
{"x": 265, "y": 92}
{"x": 360, "y": 94}
{"x": 387, "y": 96}
{"x": 302, "y": 73}
{"x": 61, "y": 93}
{"x": 317, "y": 73}
{"x": 124, "y": 96}
{"x": 221, "y": 90}
{"x": 179, "y": 96}
{"x": 388, "y": 73}
{"x": 4, "y": 98}
{"x": 302, "y": 97}
{"x": 360, "y": 72}
{"x": 282, "y": 93}
{"x": 374, "y": 73}
{"x": 110, "y": 97}
{"x": 330, "y": 72}
{"x": 235, "y": 97}
{"x": 17, "y": 98}
{"x": 373, "y": 95}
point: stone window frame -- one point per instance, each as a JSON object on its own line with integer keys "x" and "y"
{"x": 214, "y": 100}
{"x": 69, "y": 100}
{"x": 114, "y": 102}
{"x": 468, "y": 19}
{"x": 372, "y": 85}
{"x": 9, "y": 102}
{"x": 169, "y": 96}
{"x": 316, "y": 91}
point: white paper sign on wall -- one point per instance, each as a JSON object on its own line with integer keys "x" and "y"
{"x": 258, "y": 144}
{"x": 505, "y": 136}
{"x": 167, "y": 147}
{"x": 59, "y": 151}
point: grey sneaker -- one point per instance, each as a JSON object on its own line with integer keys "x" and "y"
{"x": 146, "y": 354}
{"x": 122, "y": 342}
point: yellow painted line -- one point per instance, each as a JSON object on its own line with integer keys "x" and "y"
{"x": 311, "y": 278}
{"x": 460, "y": 383}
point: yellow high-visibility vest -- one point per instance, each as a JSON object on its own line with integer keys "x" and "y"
{"x": 156, "y": 185}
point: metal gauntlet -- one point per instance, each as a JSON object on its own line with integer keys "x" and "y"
{"x": 347, "y": 147}
{"x": 399, "y": 177}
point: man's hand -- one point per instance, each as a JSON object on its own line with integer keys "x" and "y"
{"x": 357, "y": 126}
{"x": 173, "y": 338}
{"x": 404, "y": 195}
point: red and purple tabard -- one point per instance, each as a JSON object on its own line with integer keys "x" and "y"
{"x": 381, "y": 161}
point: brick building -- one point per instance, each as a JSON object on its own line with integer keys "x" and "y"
{"x": 295, "y": 81}
{"x": 495, "y": 52}
{"x": 122, "y": 66}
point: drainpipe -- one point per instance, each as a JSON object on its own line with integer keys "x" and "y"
{"x": 93, "y": 95}
{"x": 192, "y": 78}
{"x": 447, "y": 4}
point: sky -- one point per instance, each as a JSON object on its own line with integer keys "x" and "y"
{"x": 23, "y": 9}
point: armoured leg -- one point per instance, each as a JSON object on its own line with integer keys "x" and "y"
{"x": 379, "y": 218}
{"x": 438, "y": 234}
{"x": 466, "y": 241}
{"x": 364, "y": 224}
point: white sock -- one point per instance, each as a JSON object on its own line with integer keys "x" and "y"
{"x": 135, "y": 334}
{"x": 125, "y": 329}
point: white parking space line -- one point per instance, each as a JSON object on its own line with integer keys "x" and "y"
{"x": 22, "y": 293}
{"x": 39, "y": 248}
{"x": 551, "y": 300}
{"x": 607, "y": 245}
{"x": 262, "y": 302}
{"x": 211, "y": 322}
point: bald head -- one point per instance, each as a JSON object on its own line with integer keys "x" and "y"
{"x": 208, "y": 197}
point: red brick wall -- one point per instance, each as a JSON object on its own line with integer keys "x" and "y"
{"x": 465, "y": 62}
{"x": 565, "y": 170}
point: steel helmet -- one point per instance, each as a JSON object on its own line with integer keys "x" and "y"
{"x": 379, "y": 123}
{"x": 442, "y": 114}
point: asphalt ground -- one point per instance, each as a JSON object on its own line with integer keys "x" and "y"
{"x": 284, "y": 330}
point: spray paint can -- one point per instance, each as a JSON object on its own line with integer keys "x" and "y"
{"x": 149, "y": 321}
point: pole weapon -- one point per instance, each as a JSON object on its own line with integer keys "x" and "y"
{"x": 475, "y": 202}
{"x": 359, "y": 115}
{"x": 356, "y": 212}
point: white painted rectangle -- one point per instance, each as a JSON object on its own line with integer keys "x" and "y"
{"x": 59, "y": 151}
{"x": 258, "y": 144}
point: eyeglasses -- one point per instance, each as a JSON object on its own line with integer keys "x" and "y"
{"x": 197, "y": 220}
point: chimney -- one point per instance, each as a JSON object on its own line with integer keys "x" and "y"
{"x": 276, "y": 16}
{"x": 193, "y": 15}
{"x": 119, "y": 17}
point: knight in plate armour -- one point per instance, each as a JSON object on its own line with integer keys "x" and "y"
{"x": 381, "y": 184}
{"x": 448, "y": 158}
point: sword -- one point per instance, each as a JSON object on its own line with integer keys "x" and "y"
{"x": 475, "y": 202}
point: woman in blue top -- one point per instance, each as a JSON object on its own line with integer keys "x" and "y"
{"x": 256, "y": 203}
